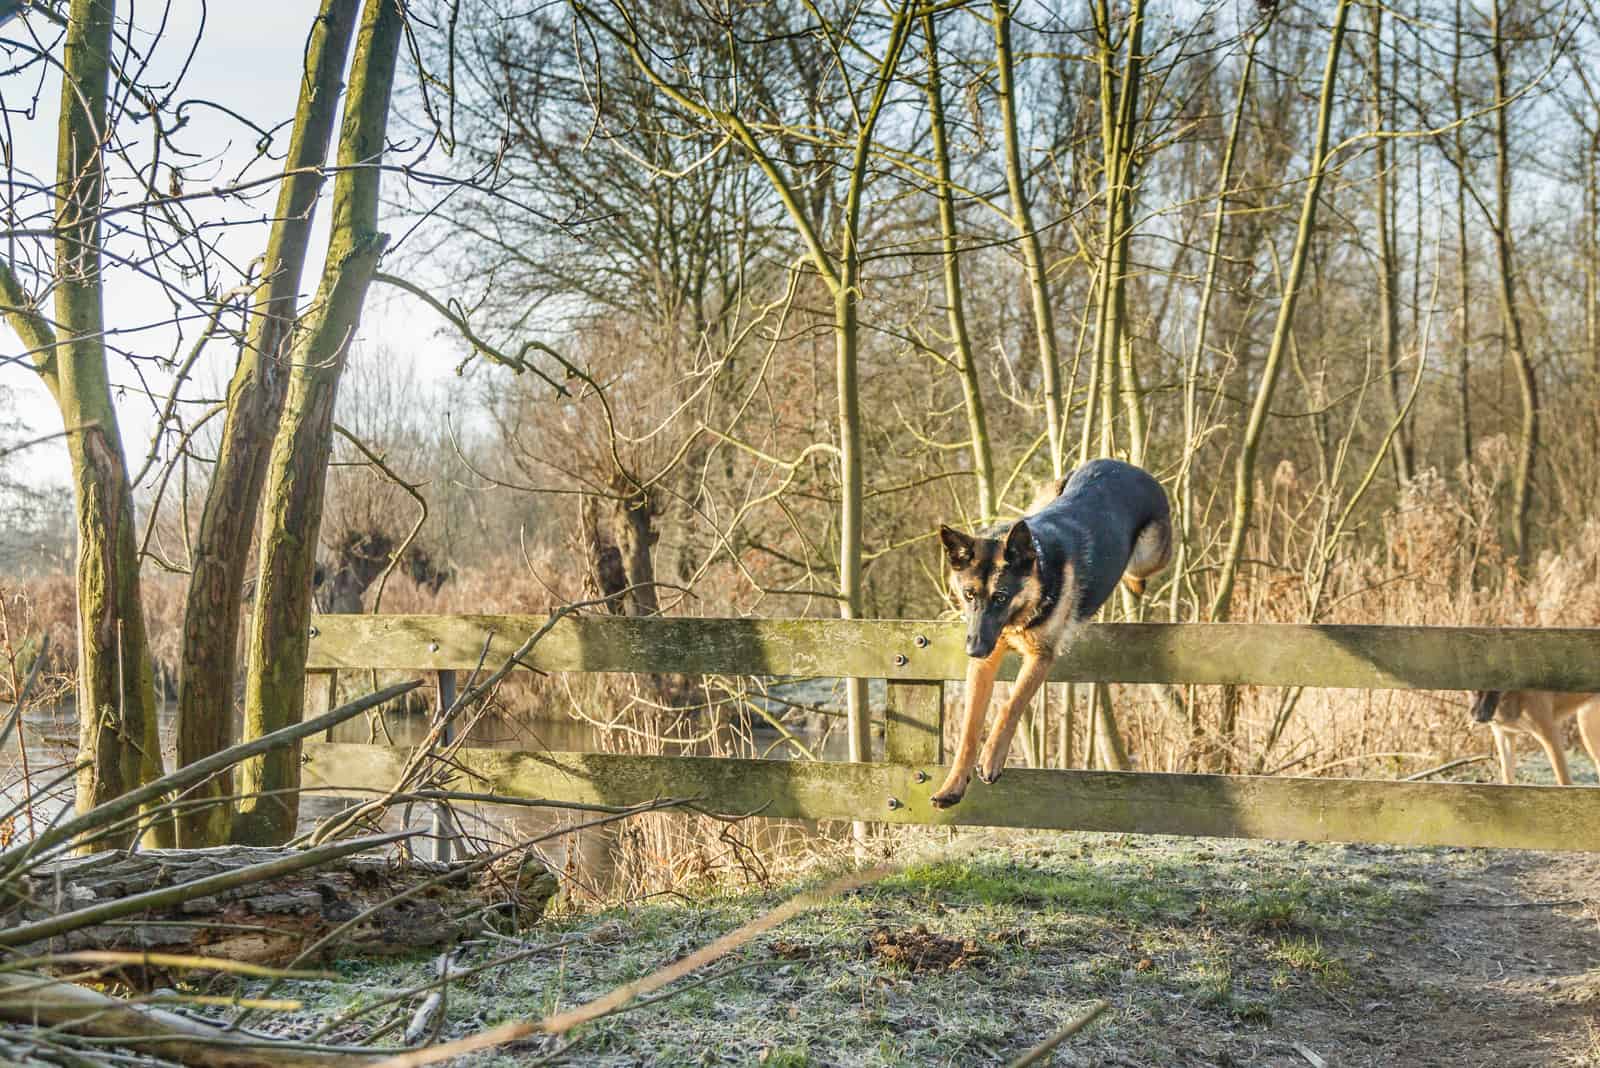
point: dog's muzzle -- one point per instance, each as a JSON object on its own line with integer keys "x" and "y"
{"x": 982, "y": 634}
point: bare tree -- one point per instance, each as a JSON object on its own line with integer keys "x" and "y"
{"x": 255, "y": 401}
{"x": 296, "y": 475}
{"x": 116, "y": 691}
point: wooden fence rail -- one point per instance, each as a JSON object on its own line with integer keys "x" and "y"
{"x": 1263, "y": 654}
{"x": 917, "y": 656}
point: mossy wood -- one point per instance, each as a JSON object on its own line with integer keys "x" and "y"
{"x": 1359, "y": 657}
{"x": 913, "y": 730}
{"x": 292, "y": 496}
{"x": 255, "y": 400}
{"x": 1314, "y": 810}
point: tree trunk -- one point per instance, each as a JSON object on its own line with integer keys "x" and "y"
{"x": 1510, "y": 317}
{"x": 846, "y": 297}
{"x": 1032, "y": 254}
{"x": 1244, "y": 465}
{"x": 1119, "y": 117}
{"x": 118, "y": 743}
{"x": 1388, "y": 294}
{"x": 297, "y": 475}
{"x": 1591, "y": 278}
{"x": 1113, "y": 756}
{"x": 850, "y": 603}
{"x": 636, "y": 538}
{"x": 610, "y": 577}
{"x": 1463, "y": 271}
{"x": 950, "y": 257}
{"x": 208, "y": 658}
{"x": 1208, "y": 287}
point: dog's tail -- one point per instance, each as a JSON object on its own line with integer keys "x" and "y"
{"x": 1047, "y": 492}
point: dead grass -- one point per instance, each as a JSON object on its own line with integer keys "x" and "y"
{"x": 1433, "y": 558}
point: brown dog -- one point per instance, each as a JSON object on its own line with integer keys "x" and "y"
{"x": 1023, "y": 586}
{"x": 1539, "y": 713}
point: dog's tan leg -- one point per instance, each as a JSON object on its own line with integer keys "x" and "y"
{"x": 1506, "y": 748}
{"x": 1035, "y": 669}
{"x": 1543, "y": 729}
{"x": 980, "y": 687}
{"x": 1588, "y": 716}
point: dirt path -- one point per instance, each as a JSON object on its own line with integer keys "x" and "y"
{"x": 1508, "y": 972}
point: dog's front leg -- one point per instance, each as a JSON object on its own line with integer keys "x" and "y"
{"x": 980, "y": 687}
{"x": 1505, "y": 748}
{"x": 1035, "y": 669}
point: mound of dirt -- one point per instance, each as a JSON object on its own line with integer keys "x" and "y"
{"x": 918, "y": 950}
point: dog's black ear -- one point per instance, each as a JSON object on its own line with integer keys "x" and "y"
{"x": 1019, "y": 545}
{"x": 958, "y": 547}
{"x": 1484, "y": 704}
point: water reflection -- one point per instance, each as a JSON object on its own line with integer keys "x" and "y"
{"x": 49, "y": 739}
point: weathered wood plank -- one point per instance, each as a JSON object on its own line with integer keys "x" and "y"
{"x": 445, "y": 833}
{"x": 1360, "y": 657}
{"x": 1314, "y": 810}
{"x": 913, "y": 730}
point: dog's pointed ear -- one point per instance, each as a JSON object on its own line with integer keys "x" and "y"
{"x": 1019, "y": 545}
{"x": 959, "y": 548}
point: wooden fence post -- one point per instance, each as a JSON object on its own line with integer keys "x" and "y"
{"x": 1064, "y": 744}
{"x": 445, "y": 831}
{"x": 914, "y": 724}
{"x": 330, "y": 697}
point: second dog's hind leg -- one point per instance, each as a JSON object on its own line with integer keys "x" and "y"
{"x": 1589, "y": 729}
{"x": 1152, "y": 550}
{"x": 1545, "y": 732}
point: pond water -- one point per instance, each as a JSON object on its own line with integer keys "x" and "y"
{"x": 48, "y": 739}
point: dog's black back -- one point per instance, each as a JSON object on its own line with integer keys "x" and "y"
{"x": 1093, "y": 525}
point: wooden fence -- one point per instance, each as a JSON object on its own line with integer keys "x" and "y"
{"x": 918, "y": 657}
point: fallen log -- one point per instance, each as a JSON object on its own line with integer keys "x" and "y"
{"x": 33, "y": 1000}
{"x": 397, "y": 907}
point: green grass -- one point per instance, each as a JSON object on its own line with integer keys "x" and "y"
{"x": 1309, "y": 956}
{"x": 1221, "y": 938}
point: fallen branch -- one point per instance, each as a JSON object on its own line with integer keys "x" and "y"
{"x": 561, "y": 1023}
{"x": 266, "y": 921}
{"x": 165, "y": 897}
{"x": 1442, "y": 768}
{"x": 1038, "y": 1053}
{"x": 41, "y": 1002}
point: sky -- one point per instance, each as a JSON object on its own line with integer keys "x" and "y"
{"x": 250, "y": 59}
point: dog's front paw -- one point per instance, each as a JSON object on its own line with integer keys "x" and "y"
{"x": 991, "y": 766}
{"x": 949, "y": 795}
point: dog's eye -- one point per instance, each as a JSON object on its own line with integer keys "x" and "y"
{"x": 1001, "y": 598}
{"x": 970, "y": 596}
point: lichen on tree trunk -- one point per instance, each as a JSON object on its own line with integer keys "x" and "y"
{"x": 118, "y": 744}
{"x": 297, "y": 473}
{"x": 255, "y": 400}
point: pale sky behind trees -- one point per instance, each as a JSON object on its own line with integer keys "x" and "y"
{"x": 250, "y": 61}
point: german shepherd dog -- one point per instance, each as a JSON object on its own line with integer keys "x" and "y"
{"x": 1539, "y": 713}
{"x": 1026, "y": 585}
